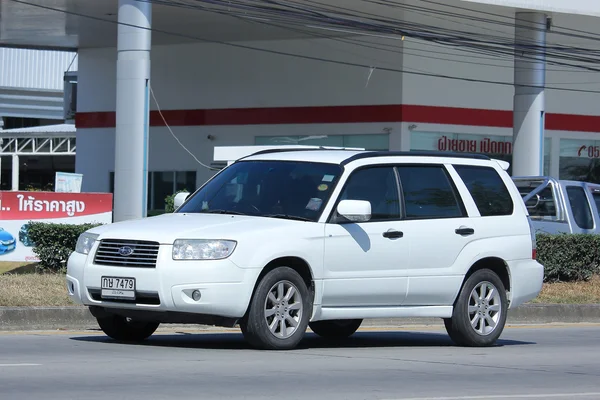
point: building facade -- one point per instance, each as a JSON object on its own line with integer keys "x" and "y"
{"x": 37, "y": 131}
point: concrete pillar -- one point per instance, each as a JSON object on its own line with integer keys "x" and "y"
{"x": 132, "y": 112}
{"x": 529, "y": 103}
{"x": 15, "y": 172}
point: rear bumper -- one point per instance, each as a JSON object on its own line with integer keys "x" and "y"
{"x": 527, "y": 278}
{"x": 167, "y": 289}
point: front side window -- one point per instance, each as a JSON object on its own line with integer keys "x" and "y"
{"x": 377, "y": 185}
{"x": 580, "y": 207}
{"x": 488, "y": 190}
{"x": 284, "y": 189}
{"x": 429, "y": 193}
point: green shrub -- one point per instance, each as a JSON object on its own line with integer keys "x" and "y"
{"x": 169, "y": 201}
{"x": 569, "y": 257}
{"x": 54, "y": 243}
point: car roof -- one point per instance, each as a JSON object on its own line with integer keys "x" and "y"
{"x": 344, "y": 156}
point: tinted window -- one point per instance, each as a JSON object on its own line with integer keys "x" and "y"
{"x": 487, "y": 189}
{"x": 377, "y": 185}
{"x": 267, "y": 188}
{"x": 580, "y": 207}
{"x": 596, "y": 197}
{"x": 428, "y": 193}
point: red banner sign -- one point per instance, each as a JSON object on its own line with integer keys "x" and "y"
{"x": 485, "y": 145}
{"x": 50, "y": 205}
{"x": 17, "y": 209}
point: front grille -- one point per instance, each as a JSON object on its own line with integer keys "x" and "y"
{"x": 143, "y": 255}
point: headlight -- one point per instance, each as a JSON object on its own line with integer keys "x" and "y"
{"x": 85, "y": 243}
{"x": 192, "y": 249}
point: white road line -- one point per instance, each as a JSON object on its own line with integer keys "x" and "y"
{"x": 508, "y": 396}
{"x": 19, "y": 365}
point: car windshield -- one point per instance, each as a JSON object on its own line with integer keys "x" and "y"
{"x": 276, "y": 189}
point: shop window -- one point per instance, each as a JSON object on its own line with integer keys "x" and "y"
{"x": 498, "y": 147}
{"x": 367, "y": 141}
{"x": 162, "y": 184}
{"x": 580, "y": 160}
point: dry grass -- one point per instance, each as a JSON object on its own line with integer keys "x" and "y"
{"x": 31, "y": 290}
{"x": 571, "y": 293}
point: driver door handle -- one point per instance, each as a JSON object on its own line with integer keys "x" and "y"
{"x": 464, "y": 231}
{"x": 392, "y": 234}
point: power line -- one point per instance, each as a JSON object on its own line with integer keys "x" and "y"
{"x": 302, "y": 56}
{"x": 480, "y": 46}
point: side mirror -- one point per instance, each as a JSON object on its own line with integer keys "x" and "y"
{"x": 180, "y": 199}
{"x": 355, "y": 210}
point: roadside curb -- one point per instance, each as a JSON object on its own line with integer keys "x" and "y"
{"x": 79, "y": 318}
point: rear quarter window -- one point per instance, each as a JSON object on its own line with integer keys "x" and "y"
{"x": 487, "y": 189}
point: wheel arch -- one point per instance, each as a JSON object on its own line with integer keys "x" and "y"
{"x": 298, "y": 264}
{"x": 496, "y": 265}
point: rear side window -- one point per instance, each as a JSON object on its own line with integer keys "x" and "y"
{"x": 546, "y": 204}
{"x": 580, "y": 207}
{"x": 487, "y": 189}
{"x": 429, "y": 193}
{"x": 596, "y": 197}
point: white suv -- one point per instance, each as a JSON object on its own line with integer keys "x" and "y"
{"x": 284, "y": 240}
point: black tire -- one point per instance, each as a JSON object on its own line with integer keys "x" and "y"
{"x": 255, "y": 325}
{"x": 335, "y": 329}
{"x": 459, "y": 327}
{"x": 124, "y": 330}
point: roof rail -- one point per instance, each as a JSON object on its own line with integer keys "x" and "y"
{"x": 284, "y": 150}
{"x": 418, "y": 153}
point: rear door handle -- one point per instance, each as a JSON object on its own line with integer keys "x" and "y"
{"x": 391, "y": 234}
{"x": 463, "y": 231}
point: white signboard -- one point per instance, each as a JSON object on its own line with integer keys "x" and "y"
{"x": 66, "y": 182}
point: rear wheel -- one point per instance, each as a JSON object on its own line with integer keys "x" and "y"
{"x": 479, "y": 314}
{"x": 279, "y": 311}
{"x": 336, "y": 329}
{"x": 125, "y": 329}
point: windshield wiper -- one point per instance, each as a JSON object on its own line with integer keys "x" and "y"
{"x": 286, "y": 216}
{"x": 218, "y": 211}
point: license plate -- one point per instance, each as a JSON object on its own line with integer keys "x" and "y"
{"x": 118, "y": 288}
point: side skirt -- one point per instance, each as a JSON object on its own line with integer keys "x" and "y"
{"x": 329, "y": 313}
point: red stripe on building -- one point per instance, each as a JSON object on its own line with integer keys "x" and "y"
{"x": 345, "y": 114}
{"x": 457, "y": 116}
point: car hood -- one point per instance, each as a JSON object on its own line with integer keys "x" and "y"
{"x": 5, "y": 236}
{"x": 166, "y": 228}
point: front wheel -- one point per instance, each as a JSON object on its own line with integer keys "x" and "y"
{"x": 479, "y": 314}
{"x": 336, "y": 329}
{"x": 125, "y": 329}
{"x": 279, "y": 311}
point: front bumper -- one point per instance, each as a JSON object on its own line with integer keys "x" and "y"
{"x": 225, "y": 288}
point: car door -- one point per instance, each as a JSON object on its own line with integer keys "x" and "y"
{"x": 436, "y": 221}
{"x": 364, "y": 262}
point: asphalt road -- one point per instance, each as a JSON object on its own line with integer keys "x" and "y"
{"x": 547, "y": 362}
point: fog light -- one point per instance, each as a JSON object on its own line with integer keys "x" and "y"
{"x": 196, "y": 295}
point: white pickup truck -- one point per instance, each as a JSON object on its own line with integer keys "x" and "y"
{"x": 561, "y": 206}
